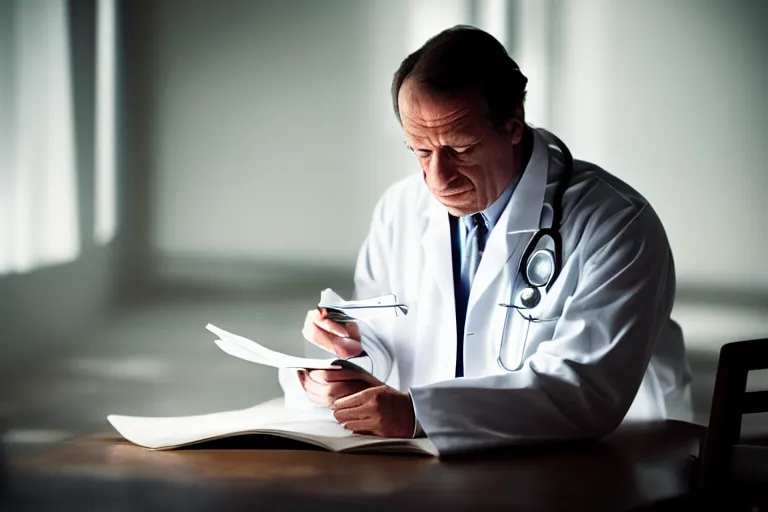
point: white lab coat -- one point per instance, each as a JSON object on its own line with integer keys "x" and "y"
{"x": 607, "y": 353}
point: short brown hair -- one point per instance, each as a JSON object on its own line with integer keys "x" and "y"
{"x": 464, "y": 57}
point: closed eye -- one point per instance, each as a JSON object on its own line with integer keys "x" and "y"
{"x": 460, "y": 150}
{"x": 420, "y": 152}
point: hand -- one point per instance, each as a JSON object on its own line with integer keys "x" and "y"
{"x": 380, "y": 411}
{"x": 324, "y": 387}
{"x": 340, "y": 339}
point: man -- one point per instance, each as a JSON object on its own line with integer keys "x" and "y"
{"x": 512, "y": 336}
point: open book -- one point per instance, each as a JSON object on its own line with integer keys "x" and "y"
{"x": 267, "y": 419}
{"x": 273, "y": 418}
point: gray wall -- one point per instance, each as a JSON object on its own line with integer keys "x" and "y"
{"x": 42, "y": 311}
{"x": 273, "y": 134}
{"x": 670, "y": 96}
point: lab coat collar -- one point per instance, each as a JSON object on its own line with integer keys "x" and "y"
{"x": 521, "y": 219}
{"x": 492, "y": 213}
{"x": 521, "y": 216}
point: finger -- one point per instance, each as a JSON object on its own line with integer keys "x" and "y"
{"x": 332, "y": 391}
{"x": 316, "y": 388}
{"x": 342, "y": 347}
{"x": 302, "y": 377}
{"x": 317, "y": 336}
{"x": 353, "y": 329}
{"x": 316, "y": 376}
{"x": 351, "y": 414}
{"x": 319, "y": 400}
{"x": 333, "y": 327}
{"x": 357, "y": 399}
{"x": 322, "y": 395}
{"x": 368, "y": 378}
{"x": 337, "y": 390}
{"x": 344, "y": 375}
{"x": 359, "y": 426}
{"x": 340, "y": 375}
{"x": 314, "y": 393}
{"x": 347, "y": 347}
{"x": 313, "y": 385}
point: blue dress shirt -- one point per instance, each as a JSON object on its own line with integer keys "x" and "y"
{"x": 460, "y": 228}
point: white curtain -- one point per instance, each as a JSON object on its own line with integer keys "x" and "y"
{"x": 106, "y": 81}
{"x": 38, "y": 186}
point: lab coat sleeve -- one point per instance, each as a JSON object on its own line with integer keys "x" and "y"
{"x": 581, "y": 383}
{"x": 372, "y": 280}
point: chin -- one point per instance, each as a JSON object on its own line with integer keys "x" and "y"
{"x": 460, "y": 211}
{"x": 461, "y": 204}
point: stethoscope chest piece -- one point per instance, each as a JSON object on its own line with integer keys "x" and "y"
{"x": 530, "y": 297}
{"x": 537, "y": 272}
{"x": 539, "y": 268}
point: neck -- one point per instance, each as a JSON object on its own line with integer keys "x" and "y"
{"x": 527, "y": 149}
{"x": 522, "y": 153}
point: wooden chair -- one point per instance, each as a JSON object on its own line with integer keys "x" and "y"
{"x": 732, "y": 469}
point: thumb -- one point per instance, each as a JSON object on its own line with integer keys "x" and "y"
{"x": 347, "y": 347}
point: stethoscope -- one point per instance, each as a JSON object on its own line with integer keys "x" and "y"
{"x": 539, "y": 268}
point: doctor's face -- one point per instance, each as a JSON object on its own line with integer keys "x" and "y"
{"x": 466, "y": 161}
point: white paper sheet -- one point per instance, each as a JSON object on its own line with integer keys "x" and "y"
{"x": 249, "y": 350}
{"x": 385, "y": 306}
{"x": 285, "y": 361}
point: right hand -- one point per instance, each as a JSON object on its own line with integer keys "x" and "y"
{"x": 324, "y": 387}
{"x": 340, "y": 339}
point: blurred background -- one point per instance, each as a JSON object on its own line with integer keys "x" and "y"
{"x": 169, "y": 163}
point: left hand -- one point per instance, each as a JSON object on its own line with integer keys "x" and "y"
{"x": 324, "y": 387}
{"x": 380, "y": 411}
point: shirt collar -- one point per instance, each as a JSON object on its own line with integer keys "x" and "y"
{"x": 493, "y": 212}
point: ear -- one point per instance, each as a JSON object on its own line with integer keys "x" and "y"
{"x": 515, "y": 126}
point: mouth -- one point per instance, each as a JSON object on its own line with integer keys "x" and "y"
{"x": 454, "y": 193}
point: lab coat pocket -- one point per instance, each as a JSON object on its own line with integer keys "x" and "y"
{"x": 524, "y": 329}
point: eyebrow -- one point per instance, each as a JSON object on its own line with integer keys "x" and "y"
{"x": 456, "y": 144}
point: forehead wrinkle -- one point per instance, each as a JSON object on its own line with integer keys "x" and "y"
{"x": 449, "y": 134}
{"x": 427, "y": 109}
{"x": 457, "y": 116}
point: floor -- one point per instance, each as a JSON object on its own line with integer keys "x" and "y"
{"x": 156, "y": 358}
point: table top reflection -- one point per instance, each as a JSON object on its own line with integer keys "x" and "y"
{"x": 634, "y": 467}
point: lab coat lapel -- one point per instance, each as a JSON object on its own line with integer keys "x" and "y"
{"x": 436, "y": 243}
{"x": 517, "y": 224}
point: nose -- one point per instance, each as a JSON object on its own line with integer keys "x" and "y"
{"x": 439, "y": 169}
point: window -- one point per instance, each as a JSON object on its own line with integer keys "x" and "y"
{"x": 38, "y": 186}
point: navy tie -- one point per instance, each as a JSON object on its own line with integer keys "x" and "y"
{"x": 473, "y": 250}
{"x": 474, "y": 245}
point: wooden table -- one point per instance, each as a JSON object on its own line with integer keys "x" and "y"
{"x": 634, "y": 467}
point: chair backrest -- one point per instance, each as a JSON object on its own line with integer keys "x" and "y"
{"x": 730, "y": 401}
